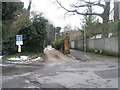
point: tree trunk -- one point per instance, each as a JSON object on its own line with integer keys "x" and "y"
{"x": 105, "y": 17}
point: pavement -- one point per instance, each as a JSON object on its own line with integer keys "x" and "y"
{"x": 76, "y": 70}
{"x": 90, "y": 56}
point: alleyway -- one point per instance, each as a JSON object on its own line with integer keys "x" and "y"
{"x": 63, "y": 71}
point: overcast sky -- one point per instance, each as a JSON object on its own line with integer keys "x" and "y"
{"x": 55, "y": 15}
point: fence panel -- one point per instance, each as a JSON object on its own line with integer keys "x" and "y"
{"x": 107, "y": 45}
{"x": 90, "y": 45}
{"x": 99, "y": 44}
{"x": 111, "y": 45}
{"x": 72, "y": 44}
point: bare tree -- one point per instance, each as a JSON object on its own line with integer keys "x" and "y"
{"x": 29, "y": 6}
{"x": 67, "y": 28}
{"x": 76, "y": 8}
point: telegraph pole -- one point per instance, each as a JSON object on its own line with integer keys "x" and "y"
{"x": 84, "y": 40}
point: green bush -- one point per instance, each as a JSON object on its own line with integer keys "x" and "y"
{"x": 58, "y": 44}
{"x": 9, "y": 46}
{"x": 34, "y": 35}
{"x": 113, "y": 28}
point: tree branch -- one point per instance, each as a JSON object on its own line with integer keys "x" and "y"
{"x": 85, "y": 5}
{"x": 77, "y": 11}
{"x": 91, "y": 3}
{"x": 64, "y": 7}
{"x": 111, "y": 11}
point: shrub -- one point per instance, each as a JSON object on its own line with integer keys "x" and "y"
{"x": 9, "y": 46}
{"x": 34, "y": 35}
{"x": 58, "y": 44}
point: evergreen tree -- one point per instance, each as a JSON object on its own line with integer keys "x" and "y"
{"x": 89, "y": 22}
{"x": 34, "y": 35}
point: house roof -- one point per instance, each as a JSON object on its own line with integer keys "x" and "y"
{"x": 73, "y": 33}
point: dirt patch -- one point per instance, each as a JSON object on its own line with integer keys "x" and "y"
{"x": 56, "y": 56}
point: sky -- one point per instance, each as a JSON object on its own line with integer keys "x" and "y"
{"x": 53, "y": 13}
{"x": 56, "y": 15}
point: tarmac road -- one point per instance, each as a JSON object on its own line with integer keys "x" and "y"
{"x": 68, "y": 73}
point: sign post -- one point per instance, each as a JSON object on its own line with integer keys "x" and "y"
{"x": 19, "y": 48}
{"x": 19, "y": 42}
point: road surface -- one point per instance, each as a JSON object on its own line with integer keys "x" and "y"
{"x": 62, "y": 71}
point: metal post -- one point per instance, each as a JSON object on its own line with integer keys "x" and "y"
{"x": 19, "y": 50}
{"x": 84, "y": 40}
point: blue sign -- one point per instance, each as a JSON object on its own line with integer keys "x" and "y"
{"x": 19, "y": 37}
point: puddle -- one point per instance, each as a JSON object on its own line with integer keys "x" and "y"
{"x": 3, "y": 65}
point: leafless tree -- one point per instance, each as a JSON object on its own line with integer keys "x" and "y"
{"x": 29, "y": 6}
{"x": 76, "y": 8}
